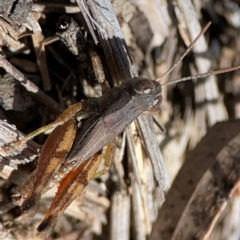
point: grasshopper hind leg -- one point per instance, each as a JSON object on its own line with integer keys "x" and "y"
{"x": 70, "y": 187}
{"x": 54, "y": 151}
{"x": 78, "y": 109}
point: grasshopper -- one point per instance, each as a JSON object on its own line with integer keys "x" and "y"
{"x": 71, "y": 153}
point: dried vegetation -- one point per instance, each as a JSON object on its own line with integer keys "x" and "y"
{"x": 41, "y": 75}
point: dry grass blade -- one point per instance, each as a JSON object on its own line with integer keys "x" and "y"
{"x": 206, "y": 91}
{"x": 197, "y": 198}
{"x": 31, "y": 87}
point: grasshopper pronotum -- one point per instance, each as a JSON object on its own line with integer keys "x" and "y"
{"x": 70, "y": 155}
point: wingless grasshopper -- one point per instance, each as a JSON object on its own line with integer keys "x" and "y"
{"x": 71, "y": 155}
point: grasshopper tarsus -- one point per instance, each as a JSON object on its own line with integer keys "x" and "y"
{"x": 9, "y": 148}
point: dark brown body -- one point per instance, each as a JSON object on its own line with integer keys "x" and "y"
{"x": 115, "y": 110}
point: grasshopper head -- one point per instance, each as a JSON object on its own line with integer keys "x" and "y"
{"x": 145, "y": 92}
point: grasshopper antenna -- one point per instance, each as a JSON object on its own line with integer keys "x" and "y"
{"x": 202, "y": 75}
{"x": 186, "y": 51}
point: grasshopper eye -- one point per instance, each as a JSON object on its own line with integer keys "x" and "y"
{"x": 144, "y": 86}
{"x": 156, "y": 102}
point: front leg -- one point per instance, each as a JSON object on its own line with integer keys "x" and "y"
{"x": 109, "y": 155}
